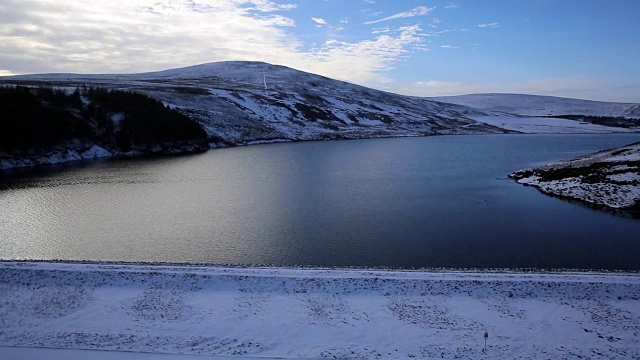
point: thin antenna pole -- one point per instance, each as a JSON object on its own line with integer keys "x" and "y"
{"x": 264, "y": 79}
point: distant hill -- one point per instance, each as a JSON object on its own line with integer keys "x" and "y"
{"x": 537, "y": 105}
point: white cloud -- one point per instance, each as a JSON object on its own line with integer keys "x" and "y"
{"x": 320, "y": 21}
{"x": 264, "y": 5}
{"x": 449, "y": 47}
{"x": 451, "y": 6}
{"x": 382, "y": 30}
{"x": 125, "y": 36}
{"x": 489, "y": 25}
{"x": 363, "y": 62}
{"x": 418, "y": 11}
{"x": 434, "y": 22}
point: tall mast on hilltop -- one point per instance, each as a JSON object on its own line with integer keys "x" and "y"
{"x": 264, "y": 80}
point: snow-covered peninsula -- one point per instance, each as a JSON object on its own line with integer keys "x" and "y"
{"x": 608, "y": 178}
{"x": 318, "y": 313}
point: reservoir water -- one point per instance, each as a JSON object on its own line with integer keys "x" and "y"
{"x": 440, "y": 201}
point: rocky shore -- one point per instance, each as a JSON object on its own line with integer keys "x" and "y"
{"x": 609, "y": 178}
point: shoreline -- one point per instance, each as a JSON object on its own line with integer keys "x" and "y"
{"x": 310, "y": 268}
{"x": 66, "y": 156}
{"x": 608, "y": 178}
{"x": 318, "y": 313}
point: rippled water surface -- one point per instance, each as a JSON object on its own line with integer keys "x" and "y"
{"x": 406, "y": 202}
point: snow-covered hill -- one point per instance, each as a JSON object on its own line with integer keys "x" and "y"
{"x": 536, "y": 105}
{"x": 243, "y": 102}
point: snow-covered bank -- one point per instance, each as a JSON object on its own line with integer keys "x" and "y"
{"x": 609, "y": 178}
{"x": 31, "y": 353}
{"x": 57, "y": 156}
{"x": 546, "y": 125}
{"x": 306, "y": 313}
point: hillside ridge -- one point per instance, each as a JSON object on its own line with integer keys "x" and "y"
{"x": 244, "y": 102}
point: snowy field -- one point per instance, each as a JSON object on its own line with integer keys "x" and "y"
{"x": 542, "y": 125}
{"x": 537, "y": 105}
{"x": 313, "y": 313}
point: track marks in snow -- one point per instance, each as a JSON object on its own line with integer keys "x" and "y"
{"x": 427, "y": 312}
{"x": 343, "y": 314}
{"x": 159, "y": 305}
{"x": 140, "y": 343}
{"x": 362, "y": 353}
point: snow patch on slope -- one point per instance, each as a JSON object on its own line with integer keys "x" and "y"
{"x": 537, "y": 105}
{"x": 543, "y": 125}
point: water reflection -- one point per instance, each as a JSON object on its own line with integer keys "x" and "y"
{"x": 411, "y": 202}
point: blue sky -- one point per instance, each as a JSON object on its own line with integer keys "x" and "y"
{"x": 576, "y": 48}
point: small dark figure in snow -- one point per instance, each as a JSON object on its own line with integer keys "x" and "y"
{"x": 486, "y": 335}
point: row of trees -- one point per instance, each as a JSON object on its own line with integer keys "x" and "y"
{"x": 615, "y": 121}
{"x": 39, "y": 118}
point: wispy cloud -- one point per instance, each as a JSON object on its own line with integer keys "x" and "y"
{"x": 418, "y": 11}
{"x": 382, "y": 30}
{"x": 449, "y": 47}
{"x": 339, "y": 59}
{"x": 489, "y": 25}
{"x": 435, "y": 22}
{"x": 263, "y": 5}
{"x": 450, "y": 6}
{"x": 319, "y": 21}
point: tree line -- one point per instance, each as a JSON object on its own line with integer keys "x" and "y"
{"x": 43, "y": 117}
{"x": 615, "y": 121}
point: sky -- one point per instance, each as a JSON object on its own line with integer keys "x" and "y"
{"x": 586, "y": 49}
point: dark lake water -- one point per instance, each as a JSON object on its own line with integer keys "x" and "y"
{"x": 404, "y": 202}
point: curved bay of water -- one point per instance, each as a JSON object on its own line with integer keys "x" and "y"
{"x": 440, "y": 201}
